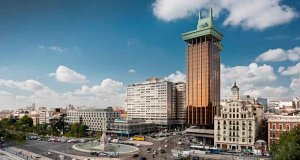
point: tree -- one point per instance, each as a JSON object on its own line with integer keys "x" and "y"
{"x": 78, "y": 130}
{"x": 288, "y": 147}
{"x": 25, "y": 121}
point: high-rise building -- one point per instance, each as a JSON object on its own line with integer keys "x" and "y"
{"x": 156, "y": 100}
{"x": 203, "y": 72}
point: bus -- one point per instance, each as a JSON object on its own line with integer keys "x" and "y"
{"x": 138, "y": 138}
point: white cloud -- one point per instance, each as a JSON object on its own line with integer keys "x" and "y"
{"x": 280, "y": 69}
{"x": 29, "y": 85}
{"x": 295, "y": 85}
{"x": 109, "y": 92}
{"x": 294, "y": 70}
{"x": 57, "y": 49}
{"x": 267, "y": 91}
{"x": 4, "y": 94}
{"x": 176, "y": 77}
{"x": 256, "y": 14}
{"x": 276, "y": 55}
{"x": 131, "y": 71}
{"x": 67, "y": 75}
{"x": 251, "y": 77}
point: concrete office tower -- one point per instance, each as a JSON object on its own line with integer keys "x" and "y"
{"x": 158, "y": 101}
{"x": 203, "y": 72}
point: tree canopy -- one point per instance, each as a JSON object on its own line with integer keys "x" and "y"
{"x": 288, "y": 147}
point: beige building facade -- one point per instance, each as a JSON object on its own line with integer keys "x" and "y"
{"x": 237, "y": 126}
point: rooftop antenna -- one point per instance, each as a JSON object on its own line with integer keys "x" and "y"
{"x": 211, "y": 12}
{"x": 199, "y": 14}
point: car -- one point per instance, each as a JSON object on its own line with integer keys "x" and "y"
{"x": 103, "y": 154}
{"x": 94, "y": 153}
{"x": 159, "y": 148}
{"x": 179, "y": 143}
{"x": 138, "y": 145}
{"x": 166, "y": 145}
{"x": 143, "y": 158}
{"x": 135, "y": 155}
{"x": 148, "y": 150}
{"x": 154, "y": 152}
{"x": 162, "y": 151}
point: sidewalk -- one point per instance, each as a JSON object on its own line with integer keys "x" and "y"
{"x": 83, "y": 157}
{"x": 10, "y": 155}
{"x": 26, "y": 154}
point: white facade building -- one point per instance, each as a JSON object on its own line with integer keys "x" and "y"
{"x": 96, "y": 119}
{"x": 296, "y": 103}
{"x": 158, "y": 101}
{"x": 236, "y": 127}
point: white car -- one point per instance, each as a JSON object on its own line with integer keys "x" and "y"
{"x": 159, "y": 148}
{"x": 138, "y": 145}
{"x": 166, "y": 146}
{"x": 179, "y": 143}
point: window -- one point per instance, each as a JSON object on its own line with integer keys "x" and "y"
{"x": 243, "y": 140}
{"x": 249, "y": 140}
{"x": 273, "y": 134}
{"x": 273, "y": 126}
{"x": 288, "y": 127}
{"x": 280, "y": 126}
{"x": 237, "y": 110}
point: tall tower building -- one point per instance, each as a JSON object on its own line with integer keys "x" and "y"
{"x": 203, "y": 72}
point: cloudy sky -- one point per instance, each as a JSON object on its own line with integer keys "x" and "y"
{"x": 55, "y": 52}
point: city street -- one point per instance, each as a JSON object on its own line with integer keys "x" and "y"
{"x": 53, "y": 150}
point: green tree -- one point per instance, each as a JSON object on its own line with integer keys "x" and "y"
{"x": 25, "y": 121}
{"x": 288, "y": 147}
{"x": 78, "y": 130}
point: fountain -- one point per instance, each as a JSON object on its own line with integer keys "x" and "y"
{"x": 104, "y": 146}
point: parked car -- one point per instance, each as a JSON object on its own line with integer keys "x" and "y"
{"x": 94, "y": 153}
{"x": 154, "y": 152}
{"x": 159, "y": 148}
{"x": 162, "y": 151}
{"x": 148, "y": 150}
{"x": 135, "y": 155}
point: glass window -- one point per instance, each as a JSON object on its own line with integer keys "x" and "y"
{"x": 280, "y": 126}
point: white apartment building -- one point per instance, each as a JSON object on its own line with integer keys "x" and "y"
{"x": 236, "y": 127}
{"x": 95, "y": 118}
{"x": 296, "y": 103}
{"x": 158, "y": 101}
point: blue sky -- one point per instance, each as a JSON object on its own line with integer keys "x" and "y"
{"x": 59, "y": 52}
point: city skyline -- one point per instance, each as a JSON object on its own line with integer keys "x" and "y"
{"x": 59, "y": 53}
